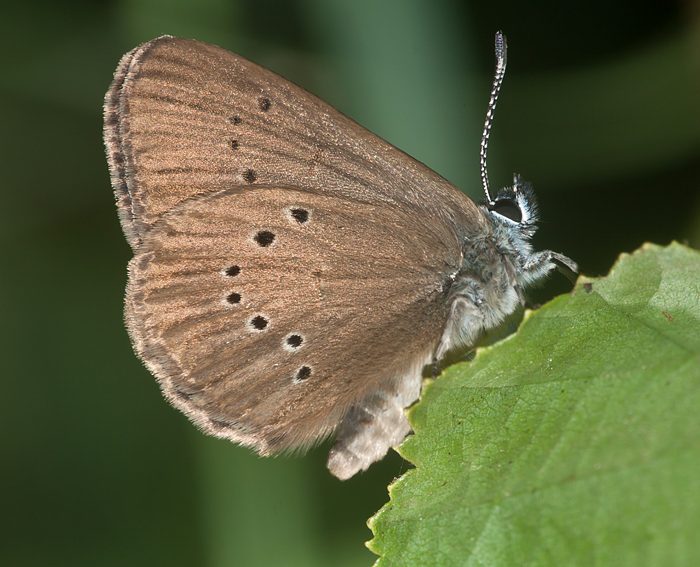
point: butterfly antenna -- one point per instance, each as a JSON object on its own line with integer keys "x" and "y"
{"x": 501, "y": 52}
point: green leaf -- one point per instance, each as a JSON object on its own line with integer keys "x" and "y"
{"x": 574, "y": 442}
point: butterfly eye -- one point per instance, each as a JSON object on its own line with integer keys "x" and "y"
{"x": 509, "y": 209}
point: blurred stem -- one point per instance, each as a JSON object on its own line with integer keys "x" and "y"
{"x": 246, "y": 500}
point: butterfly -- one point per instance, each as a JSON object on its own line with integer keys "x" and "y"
{"x": 293, "y": 273}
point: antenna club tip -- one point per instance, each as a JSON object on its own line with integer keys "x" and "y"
{"x": 501, "y": 43}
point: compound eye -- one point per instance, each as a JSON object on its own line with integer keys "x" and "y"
{"x": 509, "y": 209}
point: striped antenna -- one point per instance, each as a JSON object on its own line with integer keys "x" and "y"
{"x": 501, "y": 52}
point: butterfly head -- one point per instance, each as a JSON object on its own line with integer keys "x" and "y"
{"x": 515, "y": 208}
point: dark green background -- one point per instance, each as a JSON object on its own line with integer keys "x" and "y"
{"x": 600, "y": 111}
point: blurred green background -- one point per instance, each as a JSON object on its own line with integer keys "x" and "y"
{"x": 600, "y": 110}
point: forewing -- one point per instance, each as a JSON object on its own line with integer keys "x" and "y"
{"x": 184, "y": 118}
{"x": 233, "y": 294}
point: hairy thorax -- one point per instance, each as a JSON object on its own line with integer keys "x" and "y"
{"x": 484, "y": 291}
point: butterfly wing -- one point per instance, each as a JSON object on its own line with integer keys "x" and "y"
{"x": 205, "y": 148}
{"x": 184, "y": 118}
{"x": 266, "y": 313}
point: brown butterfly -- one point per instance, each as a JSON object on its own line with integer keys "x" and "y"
{"x": 292, "y": 272}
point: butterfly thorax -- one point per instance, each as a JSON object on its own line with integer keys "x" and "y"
{"x": 483, "y": 292}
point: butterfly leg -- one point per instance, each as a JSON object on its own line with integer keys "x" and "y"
{"x": 463, "y": 327}
{"x": 541, "y": 263}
